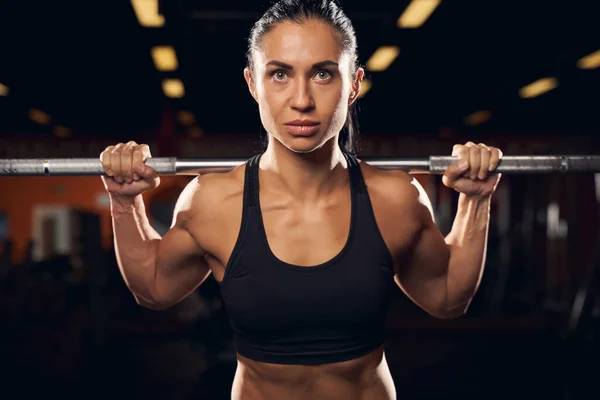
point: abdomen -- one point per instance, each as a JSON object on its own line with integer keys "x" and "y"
{"x": 365, "y": 378}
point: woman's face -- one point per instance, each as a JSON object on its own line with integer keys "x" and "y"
{"x": 303, "y": 85}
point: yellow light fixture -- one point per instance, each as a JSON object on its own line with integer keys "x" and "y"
{"x": 478, "y": 117}
{"x": 147, "y": 14}
{"x": 195, "y": 132}
{"x": 417, "y": 13}
{"x": 164, "y": 58}
{"x": 365, "y": 87}
{"x": 173, "y": 88}
{"x": 61, "y": 131}
{"x": 591, "y": 61}
{"x": 4, "y": 90}
{"x": 538, "y": 87}
{"x": 382, "y": 58}
{"x": 39, "y": 117}
{"x": 186, "y": 118}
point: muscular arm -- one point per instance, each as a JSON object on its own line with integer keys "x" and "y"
{"x": 158, "y": 271}
{"x": 442, "y": 274}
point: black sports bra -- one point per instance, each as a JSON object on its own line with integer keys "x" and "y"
{"x": 287, "y": 314}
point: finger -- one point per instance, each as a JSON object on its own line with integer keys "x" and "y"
{"x": 140, "y": 154}
{"x": 126, "y": 163}
{"x": 455, "y": 171}
{"x": 485, "y": 162}
{"x": 456, "y": 150}
{"x": 474, "y": 161}
{"x": 134, "y": 176}
{"x": 495, "y": 157}
{"x": 115, "y": 161}
{"x": 105, "y": 159}
{"x": 465, "y": 154}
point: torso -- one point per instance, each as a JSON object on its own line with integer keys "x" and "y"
{"x": 292, "y": 230}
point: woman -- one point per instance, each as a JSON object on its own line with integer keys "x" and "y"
{"x": 305, "y": 240}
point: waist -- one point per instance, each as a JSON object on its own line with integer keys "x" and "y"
{"x": 364, "y": 377}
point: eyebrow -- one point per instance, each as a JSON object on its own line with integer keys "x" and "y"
{"x": 318, "y": 65}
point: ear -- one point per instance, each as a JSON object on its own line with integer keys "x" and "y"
{"x": 250, "y": 82}
{"x": 356, "y": 85}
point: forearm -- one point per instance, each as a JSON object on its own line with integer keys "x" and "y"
{"x": 136, "y": 245}
{"x": 467, "y": 242}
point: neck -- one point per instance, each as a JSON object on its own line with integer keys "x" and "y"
{"x": 305, "y": 175}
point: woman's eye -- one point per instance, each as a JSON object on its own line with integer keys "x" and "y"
{"x": 324, "y": 75}
{"x": 278, "y": 75}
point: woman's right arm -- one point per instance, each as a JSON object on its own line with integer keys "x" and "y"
{"x": 159, "y": 272}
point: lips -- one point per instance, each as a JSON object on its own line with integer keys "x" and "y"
{"x": 302, "y": 130}
{"x": 302, "y": 127}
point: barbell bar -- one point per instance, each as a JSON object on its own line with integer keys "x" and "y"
{"x": 195, "y": 166}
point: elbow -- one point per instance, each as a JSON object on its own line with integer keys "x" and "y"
{"x": 156, "y": 305}
{"x": 151, "y": 299}
{"x": 450, "y": 313}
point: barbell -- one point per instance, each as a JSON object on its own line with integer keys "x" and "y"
{"x": 195, "y": 166}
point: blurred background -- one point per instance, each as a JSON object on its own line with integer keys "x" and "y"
{"x": 77, "y": 76}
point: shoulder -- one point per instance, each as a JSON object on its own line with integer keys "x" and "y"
{"x": 396, "y": 189}
{"x": 209, "y": 194}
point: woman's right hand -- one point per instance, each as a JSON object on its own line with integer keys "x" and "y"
{"x": 125, "y": 171}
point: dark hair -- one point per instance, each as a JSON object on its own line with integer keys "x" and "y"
{"x": 330, "y": 12}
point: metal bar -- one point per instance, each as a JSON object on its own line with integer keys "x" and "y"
{"x": 182, "y": 166}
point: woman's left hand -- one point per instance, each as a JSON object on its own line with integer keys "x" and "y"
{"x": 475, "y": 177}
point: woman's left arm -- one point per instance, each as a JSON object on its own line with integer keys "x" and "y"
{"x": 443, "y": 274}
{"x": 467, "y": 243}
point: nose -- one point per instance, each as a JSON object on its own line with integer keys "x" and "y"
{"x": 302, "y": 99}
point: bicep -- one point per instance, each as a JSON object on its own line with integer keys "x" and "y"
{"x": 422, "y": 271}
{"x": 181, "y": 264}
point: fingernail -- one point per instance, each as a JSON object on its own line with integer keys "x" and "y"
{"x": 491, "y": 167}
{"x": 463, "y": 164}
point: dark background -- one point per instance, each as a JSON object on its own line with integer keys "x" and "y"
{"x": 69, "y": 326}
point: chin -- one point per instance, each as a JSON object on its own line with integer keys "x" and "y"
{"x": 303, "y": 145}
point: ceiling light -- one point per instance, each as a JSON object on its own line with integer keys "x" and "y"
{"x": 417, "y": 13}
{"x": 195, "y": 132}
{"x": 478, "y": 117}
{"x": 383, "y": 58}
{"x": 61, "y": 131}
{"x": 164, "y": 58}
{"x": 3, "y": 90}
{"x": 590, "y": 61}
{"x": 186, "y": 118}
{"x": 538, "y": 87}
{"x": 39, "y": 117}
{"x": 147, "y": 14}
{"x": 173, "y": 88}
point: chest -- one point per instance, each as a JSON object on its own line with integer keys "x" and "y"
{"x": 306, "y": 234}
